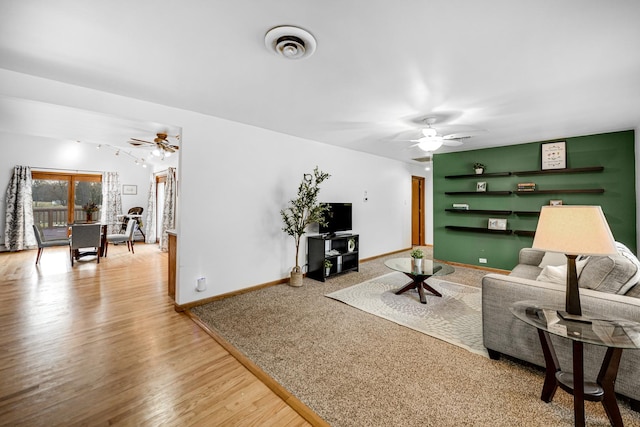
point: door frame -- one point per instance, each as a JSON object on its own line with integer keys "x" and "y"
{"x": 417, "y": 215}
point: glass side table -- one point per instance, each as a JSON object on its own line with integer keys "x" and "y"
{"x": 615, "y": 334}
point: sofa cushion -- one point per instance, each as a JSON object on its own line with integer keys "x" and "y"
{"x": 609, "y": 274}
{"x": 558, "y": 274}
{"x": 626, "y": 252}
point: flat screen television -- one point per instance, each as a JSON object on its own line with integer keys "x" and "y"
{"x": 338, "y": 218}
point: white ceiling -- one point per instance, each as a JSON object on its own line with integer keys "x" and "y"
{"x": 522, "y": 71}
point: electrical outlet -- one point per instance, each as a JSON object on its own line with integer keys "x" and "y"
{"x": 482, "y": 260}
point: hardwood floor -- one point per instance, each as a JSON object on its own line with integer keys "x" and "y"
{"x": 101, "y": 344}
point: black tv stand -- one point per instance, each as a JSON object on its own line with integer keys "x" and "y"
{"x": 341, "y": 249}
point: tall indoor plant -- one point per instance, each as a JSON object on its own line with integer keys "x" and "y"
{"x": 302, "y": 211}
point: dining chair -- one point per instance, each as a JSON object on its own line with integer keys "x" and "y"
{"x": 44, "y": 243}
{"x": 127, "y": 236}
{"x": 84, "y": 236}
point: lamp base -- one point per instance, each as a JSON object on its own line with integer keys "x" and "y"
{"x": 573, "y": 317}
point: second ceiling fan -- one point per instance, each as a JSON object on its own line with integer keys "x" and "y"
{"x": 162, "y": 146}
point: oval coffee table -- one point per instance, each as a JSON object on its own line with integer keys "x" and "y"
{"x": 418, "y": 275}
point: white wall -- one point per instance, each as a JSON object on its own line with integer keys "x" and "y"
{"x": 233, "y": 181}
{"x": 40, "y": 153}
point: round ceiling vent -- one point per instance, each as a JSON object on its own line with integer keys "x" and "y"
{"x": 290, "y": 42}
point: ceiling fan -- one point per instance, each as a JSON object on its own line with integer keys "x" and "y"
{"x": 162, "y": 146}
{"x": 431, "y": 139}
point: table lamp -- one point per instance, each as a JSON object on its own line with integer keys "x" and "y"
{"x": 573, "y": 231}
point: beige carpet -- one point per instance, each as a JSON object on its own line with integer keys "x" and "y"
{"x": 356, "y": 369}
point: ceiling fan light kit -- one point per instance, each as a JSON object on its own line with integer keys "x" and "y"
{"x": 290, "y": 42}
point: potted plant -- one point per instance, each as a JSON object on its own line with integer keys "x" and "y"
{"x": 302, "y": 211}
{"x": 417, "y": 255}
{"x": 89, "y": 209}
{"x": 479, "y": 168}
{"x": 327, "y": 267}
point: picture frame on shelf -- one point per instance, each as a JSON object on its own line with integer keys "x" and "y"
{"x": 554, "y": 155}
{"x": 555, "y": 202}
{"x": 497, "y": 224}
{"x": 481, "y": 186}
{"x": 129, "y": 190}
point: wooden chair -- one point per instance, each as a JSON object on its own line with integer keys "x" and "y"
{"x": 84, "y": 236}
{"x": 44, "y": 243}
{"x": 127, "y": 236}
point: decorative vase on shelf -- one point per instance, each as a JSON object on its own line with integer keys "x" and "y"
{"x": 479, "y": 171}
{"x": 89, "y": 217}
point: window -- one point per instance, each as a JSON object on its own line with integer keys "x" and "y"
{"x": 53, "y": 191}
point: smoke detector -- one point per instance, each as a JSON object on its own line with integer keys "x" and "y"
{"x": 290, "y": 42}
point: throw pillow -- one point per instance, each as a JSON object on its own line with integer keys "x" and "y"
{"x": 558, "y": 274}
{"x": 625, "y": 252}
{"x": 553, "y": 258}
{"x": 607, "y": 273}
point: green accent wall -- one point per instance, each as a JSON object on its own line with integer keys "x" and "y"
{"x": 614, "y": 151}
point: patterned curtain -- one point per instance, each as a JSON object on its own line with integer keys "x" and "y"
{"x": 169, "y": 212}
{"x": 111, "y": 201}
{"x": 150, "y": 227}
{"x": 19, "y": 214}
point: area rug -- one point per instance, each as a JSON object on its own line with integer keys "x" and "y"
{"x": 456, "y": 317}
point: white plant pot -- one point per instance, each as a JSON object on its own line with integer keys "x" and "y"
{"x": 417, "y": 263}
{"x": 479, "y": 171}
{"x": 327, "y": 271}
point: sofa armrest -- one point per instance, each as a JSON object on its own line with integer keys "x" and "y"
{"x": 530, "y": 256}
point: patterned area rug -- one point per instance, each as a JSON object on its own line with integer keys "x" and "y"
{"x": 455, "y": 318}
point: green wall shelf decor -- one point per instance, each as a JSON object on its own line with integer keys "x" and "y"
{"x": 479, "y": 193}
{"x": 478, "y": 229}
{"x": 600, "y": 171}
{"x": 479, "y": 175}
{"x": 569, "y": 191}
{"x": 480, "y": 211}
{"x": 559, "y": 171}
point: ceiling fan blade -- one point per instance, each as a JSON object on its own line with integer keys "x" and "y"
{"x": 134, "y": 141}
{"x": 452, "y": 143}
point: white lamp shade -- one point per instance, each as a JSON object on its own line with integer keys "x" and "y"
{"x": 574, "y": 230}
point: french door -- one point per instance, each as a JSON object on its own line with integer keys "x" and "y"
{"x": 58, "y": 198}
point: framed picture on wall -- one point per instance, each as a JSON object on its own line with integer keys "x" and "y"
{"x": 481, "y": 186}
{"x": 130, "y": 190}
{"x": 554, "y": 155}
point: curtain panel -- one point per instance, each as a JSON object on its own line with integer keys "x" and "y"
{"x": 169, "y": 210}
{"x": 111, "y": 202}
{"x": 19, "y": 213}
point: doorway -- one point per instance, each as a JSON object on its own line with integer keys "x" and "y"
{"x": 417, "y": 211}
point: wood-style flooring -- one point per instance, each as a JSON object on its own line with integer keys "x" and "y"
{"x": 101, "y": 344}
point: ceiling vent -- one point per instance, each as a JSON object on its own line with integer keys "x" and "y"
{"x": 290, "y": 42}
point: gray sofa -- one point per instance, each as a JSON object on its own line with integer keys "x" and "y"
{"x": 505, "y": 334}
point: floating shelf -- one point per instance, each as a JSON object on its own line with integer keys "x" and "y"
{"x": 478, "y": 175}
{"x": 477, "y": 229}
{"x": 526, "y": 212}
{"x": 480, "y": 193}
{"x": 479, "y": 211}
{"x": 559, "y": 171}
{"x": 570, "y": 191}
{"x": 527, "y": 233}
